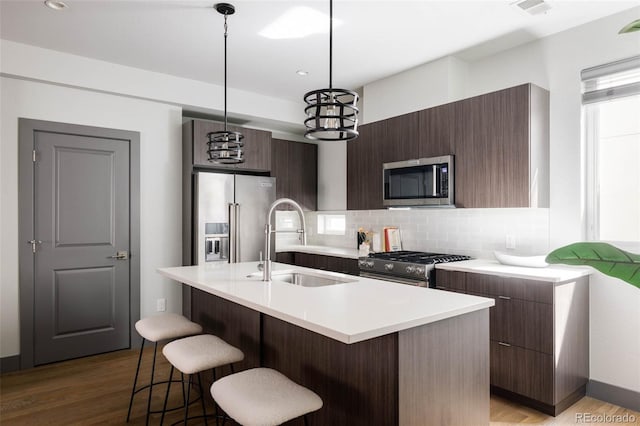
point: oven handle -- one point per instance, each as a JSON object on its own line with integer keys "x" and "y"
{"x": 417, "y": 283}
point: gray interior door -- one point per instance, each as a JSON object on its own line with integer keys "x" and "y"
{"x": 81, "y": 216}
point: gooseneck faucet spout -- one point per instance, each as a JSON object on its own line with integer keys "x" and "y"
{"x": 268, "y": 230}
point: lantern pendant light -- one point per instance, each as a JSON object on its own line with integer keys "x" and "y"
{"x": 332, "y": 114}
{"x": 225, "y": 147}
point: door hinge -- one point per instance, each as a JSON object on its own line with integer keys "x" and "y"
{"x": 33, "y": 156}
{"x": 34, "y": 244}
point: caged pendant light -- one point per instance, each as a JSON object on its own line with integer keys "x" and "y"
{"x": 225, "y": 147}
{"x": 332, "y": 114}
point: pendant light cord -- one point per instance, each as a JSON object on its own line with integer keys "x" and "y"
{"x": 330, "y": 44}
{"x": 225, "y": 72}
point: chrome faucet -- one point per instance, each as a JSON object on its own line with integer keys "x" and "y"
{"x": 268, "y": 230}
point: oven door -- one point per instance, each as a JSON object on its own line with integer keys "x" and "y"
{"x": 397, "y": 280}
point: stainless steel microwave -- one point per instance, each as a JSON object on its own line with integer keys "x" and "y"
{"x": 420, "y": 182}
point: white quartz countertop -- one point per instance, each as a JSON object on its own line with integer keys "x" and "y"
{"x": 349, "y": 312}
{"x": 550, "y": 273}
{"x": 323, "y": 250}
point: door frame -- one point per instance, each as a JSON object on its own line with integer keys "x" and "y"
{"x": 26, "y": 129}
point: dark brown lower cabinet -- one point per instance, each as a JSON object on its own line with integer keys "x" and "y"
{"x": 539, "y": 335}
{"x": 522, "y": 371}
{"x": 317, "y": 261}
{"x": 434, "y": 374}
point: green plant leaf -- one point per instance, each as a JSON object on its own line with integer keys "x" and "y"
{"x": 631, "y": 27}
{"x": 604, "y": 257}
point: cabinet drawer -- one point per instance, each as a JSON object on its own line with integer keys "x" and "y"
{"x": 515, "y": 288}
{"x": 451, "y": 280}
{"x": 522, "y": 323}
{"x": 523, "y": 371}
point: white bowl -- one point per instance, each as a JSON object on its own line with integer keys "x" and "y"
{"x": 526, "y": 261}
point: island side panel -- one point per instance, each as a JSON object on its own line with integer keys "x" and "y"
{"x": 571, "y": 334}
{"x": 235, "y": 324}
{"x": 358, "y": 382}
{"x": 444, "y": 372}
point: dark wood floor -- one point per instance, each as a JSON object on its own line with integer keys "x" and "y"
{"x": 95, "y": 391}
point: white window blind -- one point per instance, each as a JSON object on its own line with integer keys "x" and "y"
{"x": 611, "y": 113}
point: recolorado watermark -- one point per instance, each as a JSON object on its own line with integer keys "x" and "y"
{"x": 605, "y": 418}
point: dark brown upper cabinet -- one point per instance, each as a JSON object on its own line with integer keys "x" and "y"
{"x": 364, "y": 167}
{"x": 501, "y": 145}
{"x": 257, "y": 146}
{"x": 295, "y": 167}
{"x": 500, "y": 141}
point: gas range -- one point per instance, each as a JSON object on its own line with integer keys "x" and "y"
{"x": 406, "y": 267}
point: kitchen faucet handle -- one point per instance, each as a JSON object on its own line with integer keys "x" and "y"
{"x": 261, "y": 264}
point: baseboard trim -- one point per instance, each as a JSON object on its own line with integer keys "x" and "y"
{"x": 626, "y": 398}
{"x": 9, "y": 364}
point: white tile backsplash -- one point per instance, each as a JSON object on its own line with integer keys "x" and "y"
{"x": 289, "y": 221}
{"x": 474, "y": 232}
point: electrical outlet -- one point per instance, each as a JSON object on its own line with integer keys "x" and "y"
{"x": 161, "y": 305}
{"x": 510, "y": 241}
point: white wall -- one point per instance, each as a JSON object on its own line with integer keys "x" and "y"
{"x": 332, "y": 175}
{"x": 160, "y": 184}
{"x": 555, "y": 63}
{"x": 61, "y": 68}
{"x": 427, "y": 85}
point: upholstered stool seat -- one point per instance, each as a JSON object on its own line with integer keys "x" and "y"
{"x": 195, "y": 354}
{"x": 155, "y": 329}
{"x": 166, "y": 326}
{"x": 262, "y": 396}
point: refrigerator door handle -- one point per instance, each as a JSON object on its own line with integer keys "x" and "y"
{"x": 232, "y": 233}
{"x": 237, "y": 232}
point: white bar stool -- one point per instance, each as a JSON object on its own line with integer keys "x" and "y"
{"x": 154, "y": 329}
{"x": 193, "y": 355}
{"x": 263, "y": 396}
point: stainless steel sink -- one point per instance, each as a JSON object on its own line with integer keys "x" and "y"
{"x": 306, "y": 279}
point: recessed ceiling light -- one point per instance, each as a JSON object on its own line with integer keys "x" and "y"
{"x": 55, "y": 5}
{"x": 302, "y": 72}
{"x": 301, "y": 21}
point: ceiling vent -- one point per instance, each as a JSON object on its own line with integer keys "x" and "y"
{"x": 533, "y": 7}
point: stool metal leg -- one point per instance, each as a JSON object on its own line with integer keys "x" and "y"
{"x": 153, "y": 369}
{"x": 184, "y": 396}
{"x": 215, "y": 404}
{"x": 186, "y": 407}
{"x": 135, "y": 381}
{"x": 166, "y": 397}
{"x": 204, "y": 410}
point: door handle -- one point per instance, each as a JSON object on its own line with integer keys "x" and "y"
{"x": 232, "y": 233}
{"x": 237, "y": 236}
{"x": 120, "y": 255}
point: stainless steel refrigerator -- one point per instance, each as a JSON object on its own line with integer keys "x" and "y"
{"x": 230, "y": 212}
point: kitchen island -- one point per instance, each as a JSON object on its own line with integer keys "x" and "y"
{"x": 377, "y": 353}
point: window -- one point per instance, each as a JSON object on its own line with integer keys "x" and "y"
{"x": 331, "y": 224}
{"x": 611, "y": 108}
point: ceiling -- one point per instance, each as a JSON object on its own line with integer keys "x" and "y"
{"x": 375, "y": 39}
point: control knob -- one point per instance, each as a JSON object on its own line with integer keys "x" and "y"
{"x": 410, "y": 269}
{"x": 369, "y": 263}
{"x": 420, "y": 270}
{"x": 388, "y": 266}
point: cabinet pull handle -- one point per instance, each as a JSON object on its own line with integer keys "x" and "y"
{"x": 504, "y": 297}
{"x": 504, "y": 344}
{"x": 441, "y": 287}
